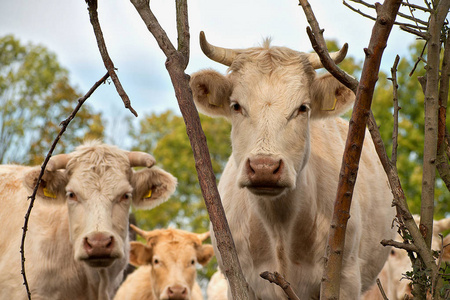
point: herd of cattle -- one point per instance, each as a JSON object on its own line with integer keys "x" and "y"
{"x": 278, "y": 190}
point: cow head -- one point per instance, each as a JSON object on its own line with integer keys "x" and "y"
{"x": 98, "y": 184}
{"x": 173, "y": 254}
{"x": 270, "y": 94}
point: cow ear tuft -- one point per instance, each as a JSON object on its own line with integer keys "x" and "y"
{"x": 204, "y": 254}
{"x": 329, "y": 97}
{"x": 51, "y": 187}
{"x": 140, "y": 254}
{"x": 152, "y": 187}
{"x": 211, "y": 91}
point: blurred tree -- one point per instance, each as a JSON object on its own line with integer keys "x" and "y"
{"x": 35, "y": 96}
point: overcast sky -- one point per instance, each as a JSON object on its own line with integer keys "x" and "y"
{"x": 63, "y": 27}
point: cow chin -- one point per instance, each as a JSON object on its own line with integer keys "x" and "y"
{"x": 99, "y": 262}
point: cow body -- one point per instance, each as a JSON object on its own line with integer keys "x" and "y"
{"x": 167, "y": 266}
{"x": 77, "y": 240}
{"x": 279, "y": 185}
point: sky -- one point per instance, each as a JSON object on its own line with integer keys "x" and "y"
{"x": 63, "y": 26}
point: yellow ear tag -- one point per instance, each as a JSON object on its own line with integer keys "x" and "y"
{"x": 49, "y": 194}
{"x": 334, "y": 106}
{"x": 149, "y": 194}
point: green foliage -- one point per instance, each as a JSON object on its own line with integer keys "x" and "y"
{"x": 35, "y": 96}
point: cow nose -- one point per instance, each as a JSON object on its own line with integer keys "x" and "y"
{"x": 98, "y": 245}
{"x": 177, "y": 292}
{"x": 264, "y": 171}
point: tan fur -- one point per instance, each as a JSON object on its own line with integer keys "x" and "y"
{"x": 166, "y": 261}
{"x": 280, "y": 110}
{"x": 99, "y": 176}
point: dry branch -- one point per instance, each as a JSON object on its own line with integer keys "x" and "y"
{"x": 347, "y": 178}
{"x": 93, "y": 15}
{"x": 32, "y": 198}
{"x": 396, "y": 109}
{"x": 176, "y": 63}
{"x": 279, "y": 280}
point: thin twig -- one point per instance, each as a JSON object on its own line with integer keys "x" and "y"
{"x": 399, "y": 245}
{"x": 279, "y": 280}
{"x": 32, "y": 198}
{"x": 380, "y": 287}
{"x": 93, "y": 15}
{"x": 396, "y": 109}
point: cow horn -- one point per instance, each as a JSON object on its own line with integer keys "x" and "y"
{"x": 337, "y": 57}
{"x": 140, "y": 159}
{"x": 203, "y": 236}
{"x": 143, "y": 233}
{"x": 221, "y": 55}
{"x": 58, "y": 162}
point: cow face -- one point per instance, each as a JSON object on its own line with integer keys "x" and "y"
{"x": 173, "y": 255}
{"x": 269, "y": 95}
{"x": 98, "y": 185}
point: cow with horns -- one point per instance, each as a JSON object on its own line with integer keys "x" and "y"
{"x": 279, "y": 185}
{"x": 78, "y": 250}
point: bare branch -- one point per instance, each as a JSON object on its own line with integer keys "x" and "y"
{"x": 425, "y": 9}
{"x": 32, "y": 198}
{"x": 279, "y": 280}
{"x": 396, "y": 109}
{"x": 399, "y": 245}
{"x": 407, "y": 28}
{"x": 176, "y": 64}
{"x": 92, "y": 7}
{"x": 442, "y": 162}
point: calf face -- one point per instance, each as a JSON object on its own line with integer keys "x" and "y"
{"x": 269, "y": 95}
{"x": 173, "y": 255}
{"x": 98, "y": 185}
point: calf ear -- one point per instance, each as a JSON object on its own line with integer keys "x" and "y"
{"x": 204, "y": 254}
{"x": 140, "y": 254}
{"x": 329, "y": 97}
{"x": 152, "y": 187}
{"x": 211, "y": 91}
{"x": 52, "y": 186}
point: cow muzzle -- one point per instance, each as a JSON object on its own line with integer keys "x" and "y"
{"x": 264, "y": 175}
{"x": 176, "y": 292}
{"x": 99, "y": 248}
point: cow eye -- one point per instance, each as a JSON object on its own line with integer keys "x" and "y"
{"x": 236, "y": 107}
{"x": 193, "y": 262}
{"x": 303, "y": 108}
{"x": 155, "y": 261}
{"x": 126, "y": 196}
{"x": 71, "y": 196}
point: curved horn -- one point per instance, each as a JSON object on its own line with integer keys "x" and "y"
{"x": 58, "y": 162}
{"x": 145, "y": 234}
{"x": 203, "y": 236}
{"x": 337, "y": 57}
{"x": 221, "y": 55}
{"x": 141, "y": 159}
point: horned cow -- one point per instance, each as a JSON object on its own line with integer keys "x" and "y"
{"x": 279, "y": 185}
{"x": 167, "y": 266}
{"x": 77, "y": 241}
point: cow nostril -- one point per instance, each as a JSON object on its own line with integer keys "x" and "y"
{"x": 279, "y": 168}
{"x": 250, "y": 170}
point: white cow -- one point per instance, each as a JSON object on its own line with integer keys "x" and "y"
{"x": 167, "y": 266}
{"x": 279, "y": 185}
{"x": 217, "y": 287}
{"x": 77, "y": 242}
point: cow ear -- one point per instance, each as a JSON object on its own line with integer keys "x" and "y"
{"x": 140, "y": 254}
{"x": 152, "y": 186}
{"x": 204, "y": 254}
{"x": 211, "y": 91}
{"x": 52, "y": 186}
{"x": 329, "y": 97}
